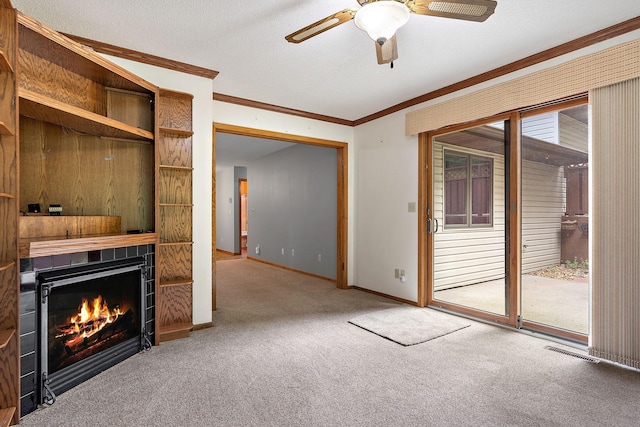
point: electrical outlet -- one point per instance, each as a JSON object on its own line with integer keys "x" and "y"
{"x": 258, "y": 250}
{"x": 293, "y": 252}
{"x": 397, "y": 273}
{"x": 319, "y": 258}
{"x": 282, "y": 251}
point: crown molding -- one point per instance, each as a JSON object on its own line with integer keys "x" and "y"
{"x": 145, "y": 58}
{"x": 279, "y": 109}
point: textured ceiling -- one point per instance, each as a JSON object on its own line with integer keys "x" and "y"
{"x": 334, "y": 73}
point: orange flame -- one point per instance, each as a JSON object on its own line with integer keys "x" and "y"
{"x": 91, "y": 318}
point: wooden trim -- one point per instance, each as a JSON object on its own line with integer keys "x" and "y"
{"x": 6, "y": 3}
{"x": 402, "y": 300}
{"x": 145, "y": 58}
{"x": 424, "y": 183}
{"x": 279, "y": 109}
{"x": 568, "y": 47}
{"x": 278, "y": 136}
{"x": 573, "y": 336}
{"x": 342, "y": 276}
{"x": 213, "y": 219}
{"x": 342, "y": 244}
{"x": 284, "y": 267}
{"x": 201, "y": 326}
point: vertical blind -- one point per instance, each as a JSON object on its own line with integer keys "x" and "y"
{"x": 615, "y": 234}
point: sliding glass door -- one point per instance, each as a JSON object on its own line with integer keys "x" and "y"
{"x": 555, "y": 220}
{"x": 467, "y": 220}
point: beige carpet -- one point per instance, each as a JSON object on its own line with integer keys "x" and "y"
{"x": 409, "y": 325}
{"x": 282, "y": 353}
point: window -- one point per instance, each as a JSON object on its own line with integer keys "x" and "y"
{"x": 468, "y": 190}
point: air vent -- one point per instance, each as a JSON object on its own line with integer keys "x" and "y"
{"x": 570, "y": 353}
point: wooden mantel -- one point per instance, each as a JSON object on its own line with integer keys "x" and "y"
{"x": 55, "y": 235}
{"x": 44, "y": 246}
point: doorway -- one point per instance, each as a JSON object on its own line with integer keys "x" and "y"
{"x": 341, "y": 159}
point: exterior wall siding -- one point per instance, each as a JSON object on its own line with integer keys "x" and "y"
{"x": 543, "y": 195}
{"x": 573, "y": 133}
{"x": 467, "y": 256}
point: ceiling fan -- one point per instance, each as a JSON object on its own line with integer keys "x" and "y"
{"x": 382, "y": 18}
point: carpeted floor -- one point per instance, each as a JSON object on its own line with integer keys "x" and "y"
{"x": 282, "y": 353}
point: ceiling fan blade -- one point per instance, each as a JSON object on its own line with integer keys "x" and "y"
{"x": 388, "y": 52}
{"x": 468, "y": 10}
{"x": 322, "y": 25}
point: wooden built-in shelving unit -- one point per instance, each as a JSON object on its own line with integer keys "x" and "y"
{"x": 82, "y": 132}
{"x": 9, "y": 282}
{"x": 175, "y": 207}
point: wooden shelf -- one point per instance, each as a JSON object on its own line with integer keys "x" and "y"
{"x": 177, "y": 283}
{"x": 7, "y": 196}
{"x": 180, "y": 168}
{"x": 5, "y": 65}
{"x": 45, "y": 246}
{"x": 6, "y": 265}
{"x": 50, "y": 110}
{"x": 175, "y": 331}
{"x": 6, "y": 415}
{"x": 4, "y": 130}
{"x": 177, "y": 205}
{"x": 179, "y": 133}
{"x": 5, "y": 337}
{"x": 175, "y": 243}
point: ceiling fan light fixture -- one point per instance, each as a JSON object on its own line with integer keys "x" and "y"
{"x": 381, "y": 19}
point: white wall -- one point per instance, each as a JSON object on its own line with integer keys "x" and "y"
{"x": 386, "y": 181}
{"x": 201, "y": 88}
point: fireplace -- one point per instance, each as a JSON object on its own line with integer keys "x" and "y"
{"x": 91, "y": 317}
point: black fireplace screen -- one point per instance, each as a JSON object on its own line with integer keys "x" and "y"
{"x": 88, "y": 317}
{"x": 91, "y": 317}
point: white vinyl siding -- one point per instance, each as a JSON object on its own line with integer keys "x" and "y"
{"x": 543, "y": 204}
{"x": 573, "y": 133}
{"x": 542, "y": 126}
{"x": 470, "y": 255}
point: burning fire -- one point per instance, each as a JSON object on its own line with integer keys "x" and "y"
{"x": 91, "y": 318}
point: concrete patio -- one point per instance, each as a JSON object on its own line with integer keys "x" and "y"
{"x": 559, "y": 303}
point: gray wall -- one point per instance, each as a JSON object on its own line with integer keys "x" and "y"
{"x": 293, "y": 207}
